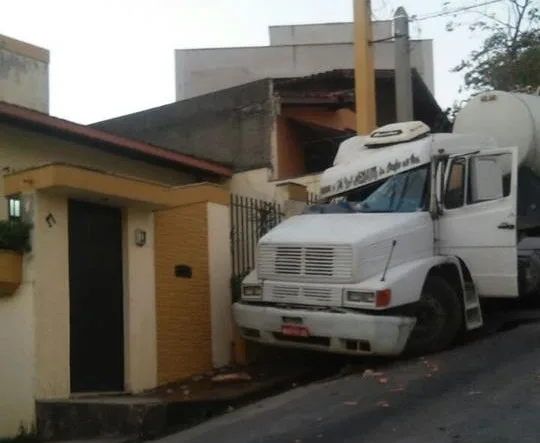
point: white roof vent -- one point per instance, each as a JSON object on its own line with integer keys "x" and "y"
{"x": 397, "y": 133}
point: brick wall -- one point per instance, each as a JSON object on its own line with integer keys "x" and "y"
{"x": 231, "y": 126}
{"x": 184, "y": 340}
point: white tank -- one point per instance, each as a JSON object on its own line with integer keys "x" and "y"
{"x": 511, "y": 119}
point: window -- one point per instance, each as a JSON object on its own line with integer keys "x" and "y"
{"x": 477, "y": 179}
{"x": 455, "y": 189}
{"x": 404, "y": 192}
{"x": 495, "y": 175}
{"x": 14, "y": 208}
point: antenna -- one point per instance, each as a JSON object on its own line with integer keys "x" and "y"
{"x": 389, "y": 259}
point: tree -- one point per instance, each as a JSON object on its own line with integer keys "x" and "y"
{"x": 509, "y": 57}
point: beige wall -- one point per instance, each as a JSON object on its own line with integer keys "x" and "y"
{"x": 139, "y": 303}
{"x": 17, "y": 332}
{"x": 258, "y": 183}
{"x": 220, "y": 271}
{"x": 51, "y": 296}
{"x": 21, "y": 149}
{"x": 34, "y": 322}
{"x": 52, "y": 300}
{"x": 24, "y": 74}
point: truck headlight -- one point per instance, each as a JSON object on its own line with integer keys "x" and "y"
{"x": 360, "y": 297}
{"x": 251, "y": 291}
{"x": 379, "y": 299}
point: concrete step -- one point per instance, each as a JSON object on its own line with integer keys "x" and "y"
{"x": 156, "y": 413}
{"x": 100, "y": 417}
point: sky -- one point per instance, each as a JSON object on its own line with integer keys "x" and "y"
{"x": 114, "y": 57}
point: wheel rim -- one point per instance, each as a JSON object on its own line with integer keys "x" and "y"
{"x": 430, "y": 318}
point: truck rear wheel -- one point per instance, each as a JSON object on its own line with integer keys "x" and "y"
{"x": 439, "y": 317}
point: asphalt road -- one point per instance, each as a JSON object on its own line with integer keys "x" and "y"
{"x": 487, "y": 391}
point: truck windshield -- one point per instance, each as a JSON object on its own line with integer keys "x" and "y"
{"x": 404, "y": 192}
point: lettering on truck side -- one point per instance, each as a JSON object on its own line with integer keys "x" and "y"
{"x": 369, "y": 175}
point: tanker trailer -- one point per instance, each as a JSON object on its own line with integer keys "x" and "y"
{"x": 513, "y": 119}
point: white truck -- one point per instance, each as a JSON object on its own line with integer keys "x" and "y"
{"x": 412, "y": 229}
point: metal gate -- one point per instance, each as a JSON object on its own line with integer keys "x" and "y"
{"x": 250, "y": 220}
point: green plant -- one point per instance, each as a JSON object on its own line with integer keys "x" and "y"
{"x": 15, "y": 235}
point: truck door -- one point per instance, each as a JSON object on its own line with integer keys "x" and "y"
{"x": 478, "y": 223}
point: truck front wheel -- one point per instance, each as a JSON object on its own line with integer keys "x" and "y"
{"x": 439, "y": 318}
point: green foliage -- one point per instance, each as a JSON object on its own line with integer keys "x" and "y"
{"x": 509, "y": 57}
{"x": 15, "y": 235}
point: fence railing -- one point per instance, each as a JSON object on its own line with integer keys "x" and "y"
{"x": 250, "y": 220}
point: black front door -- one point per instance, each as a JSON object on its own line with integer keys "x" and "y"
{"x": 96, "y": 298}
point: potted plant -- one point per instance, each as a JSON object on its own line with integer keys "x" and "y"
{"x": 14, "y": 242}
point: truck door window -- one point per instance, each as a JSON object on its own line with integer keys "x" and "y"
{"x": 455, "y": 189}
{"x": 504, "y": 163}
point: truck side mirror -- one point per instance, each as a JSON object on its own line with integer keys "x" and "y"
{"x": 486, "y": 179}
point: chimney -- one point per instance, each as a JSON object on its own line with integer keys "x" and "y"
{"x": 24, "y": 74}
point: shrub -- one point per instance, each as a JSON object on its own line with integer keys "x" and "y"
{"x": 15, "y": 235}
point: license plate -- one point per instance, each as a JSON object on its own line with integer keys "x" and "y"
{"x": 295, "y": 331}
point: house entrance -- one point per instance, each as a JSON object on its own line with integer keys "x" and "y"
{"x": 96, "y": 298}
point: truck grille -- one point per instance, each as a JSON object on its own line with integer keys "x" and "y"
{"x": 302, "y": 295}
{"x": 331, "y": 263}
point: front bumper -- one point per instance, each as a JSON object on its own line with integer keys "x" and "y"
{"x": 336, "y": 332}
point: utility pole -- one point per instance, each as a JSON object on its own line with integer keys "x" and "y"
{"x": 364, "y": 71}
{"x": 403, "y": 73}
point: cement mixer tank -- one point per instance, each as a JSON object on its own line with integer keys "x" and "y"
{"x": 511, "y": 119}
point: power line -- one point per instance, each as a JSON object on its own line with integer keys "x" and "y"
{"x": 453, "y": 11}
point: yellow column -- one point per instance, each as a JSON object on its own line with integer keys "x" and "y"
{"x": 364, "y": 72}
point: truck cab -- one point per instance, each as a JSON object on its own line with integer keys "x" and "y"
{"x": 411, "y": 230}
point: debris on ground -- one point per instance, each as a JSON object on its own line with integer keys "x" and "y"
{"x": 228, "y": 382}
{"x": 233, "y": 377}
{"x": 351, "y": 403}
{"x": 383, "y": 380}
{"x": 383, "y": 404}
{"x": 372, "y": 373}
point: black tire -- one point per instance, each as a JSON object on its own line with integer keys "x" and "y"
{"x": 439, "y": 318}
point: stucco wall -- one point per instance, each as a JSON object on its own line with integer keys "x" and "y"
{"x": 232, "y": 126}
{"x": 34, "y": 322}
{"x": 201, "y": 71}
{"x": 323, "y": 33}
{"x": 17, "y": 335}
{"x": 139, "y": 302}
{"x": 21, "y": 149}
{"x": 220, "y": 271}
{"x": 24, "y": 74}
{"x": 258, "y": 183}
{"x": 37, "y": 315}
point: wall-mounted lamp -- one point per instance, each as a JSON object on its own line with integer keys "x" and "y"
{"x": 140, "y": 237}
{"x": 51, "y": 221}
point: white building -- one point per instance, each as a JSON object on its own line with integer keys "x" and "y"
{"x": 294, "y": 51}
